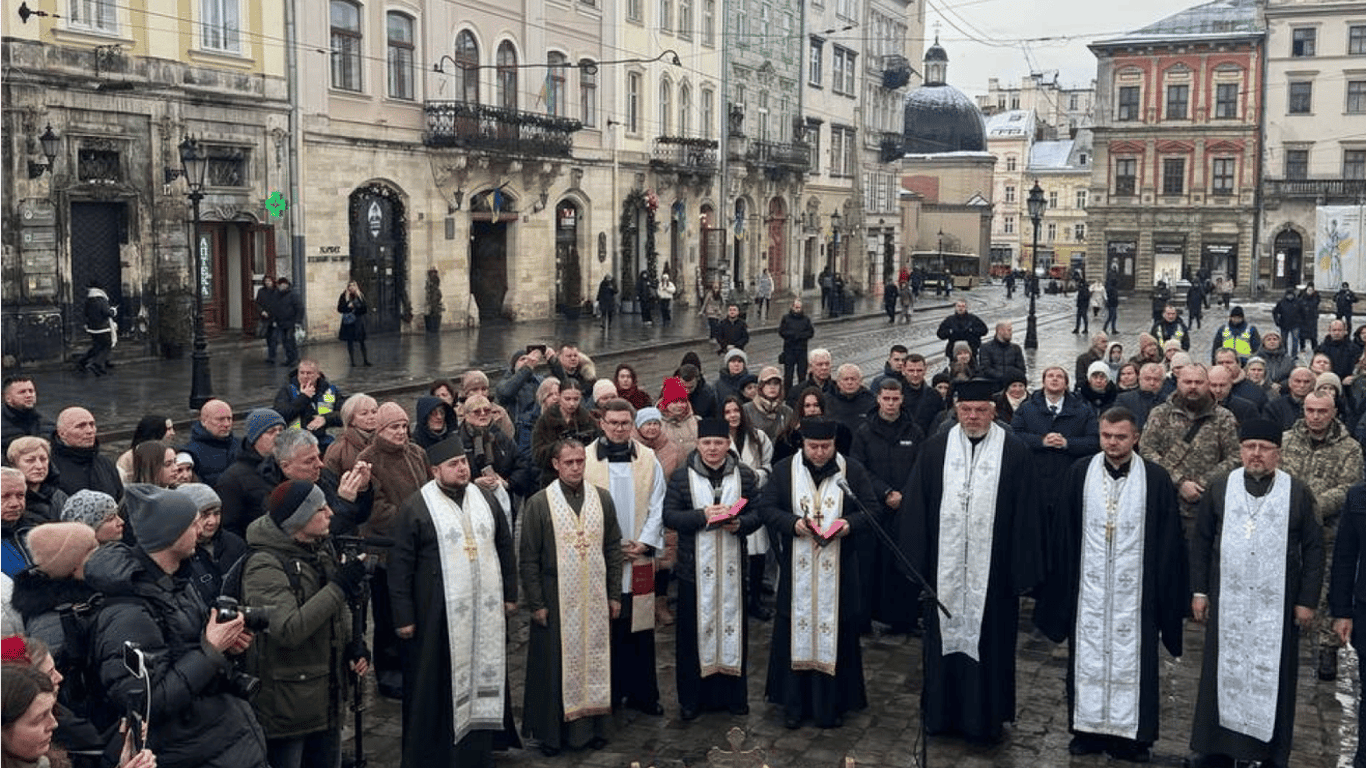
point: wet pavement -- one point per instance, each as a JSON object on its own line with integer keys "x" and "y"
{"x": 885, "y": 734}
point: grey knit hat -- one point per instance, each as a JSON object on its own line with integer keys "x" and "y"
{"x": 89, "y": 507}
{"x": 203, "y": 496}
{"x": 159, "y": 517}
{"x": 293, "y": 503}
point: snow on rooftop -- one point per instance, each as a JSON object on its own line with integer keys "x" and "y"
{"x": 1050, "y": 154}
{"x": 1219, "y": 18}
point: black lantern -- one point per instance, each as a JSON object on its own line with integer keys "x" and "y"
{"x": 1037, "y": 204}
{"x": 52, "y": 144}
{"x": 194, "y": 163}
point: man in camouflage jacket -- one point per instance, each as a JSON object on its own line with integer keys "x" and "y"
{"x": 1320, "y": 452}
{"x": 1192, "y": 438}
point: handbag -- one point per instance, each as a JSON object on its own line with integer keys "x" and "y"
{"x": 262, "y": 328}
{"x": 348, "y": 318}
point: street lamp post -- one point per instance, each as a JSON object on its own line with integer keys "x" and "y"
{"x": 194, "y": 162}
{"x": 1037, "y": 203}
{"x": 834, "y": 241}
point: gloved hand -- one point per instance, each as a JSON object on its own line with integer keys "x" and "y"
{"x": 357, "y": 649}
{"x": 351, "y": 578}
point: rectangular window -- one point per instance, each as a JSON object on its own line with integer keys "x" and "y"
{"x": 836, "y": 70}
{"x": 346, "y": 45}
{"x": 588, "y": 93}
{"x": 633, "y": 81}
{"x": 708, "y": 112}
{"x": 554, "y": 79}
{"x": 1081, "y": 199}
{"x": 1010, "y": 193}
{"x": 1301, "y": 98}
{"x": 816, "y": 63}
{"x": 763, "y": 116}
{"x": 1051, "y": 231}
{"x": 1356, "y": 97}
{"x": 1128, "y": 103}
{"x": 103, "y": 165}
{"x": 400, "y": 56}
{"x": 836, "y": 149}
{"x": 1072, "y": 103}
{"x": 1226, "y": 100}
{"x": 842, "y": 71}
{"x": 1178, "y": 101}
{"x": 709, "y": 22}
{"x": 1079, "y": 232}
{"x": 1052, "y": 201}
{"x": 633, "y": 10}
{"x": 98, "y": 15}
{"x": 1356, "y": 40}
{"x": 1354, "y": 164}
{"x": 685, "y": 18}
{"x": 1011, "y": 163}
{"x": 742, "y": 23}
{"x": 1008, "y": 225}
{"x": 220, "y": 25}
{"x": 1126, "y": 176}
{"x": 666, "y": 15}
{"x": 1302, "y": 41}
{"x": 1173, "y": 175}
{"x": 1222, "y": 175}
{"x": 813, "y": 140}
{"x": 227, "y": 167}
{"x": 1297, "y": 163}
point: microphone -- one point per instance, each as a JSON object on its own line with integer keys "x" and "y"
{"x": 844, "y": 486}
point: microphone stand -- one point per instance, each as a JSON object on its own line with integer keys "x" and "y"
{"x": 927, "y": 596}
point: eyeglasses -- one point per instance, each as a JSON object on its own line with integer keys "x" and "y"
{"x": 480, "y": 411}
{"x": 617, "y": 424}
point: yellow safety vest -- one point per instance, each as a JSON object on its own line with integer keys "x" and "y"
{"x": 328, "y": 404}
{"x": 1242, "y": 343}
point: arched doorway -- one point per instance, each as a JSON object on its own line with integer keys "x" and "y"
{"x": 568, "y": 268}
{"x": 777, "y": 243}
{"x": 1289, "y": 254}
{"x": 490, "y": 214}
{"x": 379, "y": 254}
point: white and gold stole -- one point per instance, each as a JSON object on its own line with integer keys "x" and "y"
{"x": 472, "y": 582}
{"x": 720, "y": 583}
{"x": 585, "y": 630}
{"x": 1252, "y": 604}
{"x": 967, "y": 525}
{"x": 816, "y": 572}
{"x": 599, "y": 472}
{"x": 1106, "y": 659}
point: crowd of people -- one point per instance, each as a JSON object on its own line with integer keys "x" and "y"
{"x": 228, "y": 592}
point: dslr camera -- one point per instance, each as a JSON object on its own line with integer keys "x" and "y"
{"x": 257, "y": 619}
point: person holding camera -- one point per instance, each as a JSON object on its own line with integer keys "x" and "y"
{"x": 198, "y": 715}
{"x": 304, "y": 661}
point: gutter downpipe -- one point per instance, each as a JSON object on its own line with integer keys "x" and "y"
{"x": 296, "y": 229}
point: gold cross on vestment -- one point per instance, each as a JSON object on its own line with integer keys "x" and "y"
{"x": 819, "y": 518}
{"x": 471, "y": 549}
{"x": 580, "y": 543}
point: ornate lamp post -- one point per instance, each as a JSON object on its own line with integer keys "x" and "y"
{"x": 834, "y": 241}
{"x": 52, "y": 144}
{"x": 1037, "y": 204}
{"x": 194, "y": 162}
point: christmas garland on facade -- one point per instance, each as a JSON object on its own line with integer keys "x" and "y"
{"x": 636, "y": 201}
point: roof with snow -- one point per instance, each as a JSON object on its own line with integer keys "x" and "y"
{"x": 938, "y": 119}
{"x": 1012, "y": 124}
{"x": 1050, "y": 154}
{"x": 1217, "y": 19}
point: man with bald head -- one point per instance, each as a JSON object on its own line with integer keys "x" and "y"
{"x": 1191, "y": 438}
{"x": 1221, "y": 389}
{"x": 851, "y": 401}
{"x": 1320, "y": 452}
{"x": 1000, "y": 358}
{"x": 76, "y": 456}
{"x": 211, "y": 441}
{"x": 1341, "y": 349}
{"x": 1289, "y": 407}
{"x": 1241, "y": 386}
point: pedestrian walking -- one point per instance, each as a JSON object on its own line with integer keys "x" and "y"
{"x": 1111, "y": 307}
{"x": 712, "y": 308}
{"x": 763, "y": 295}
{"x": 906, "y": 300}
{"x": 99, "y": 314}
{"x": 1195, "y": 304}
{"x": 289, "y": 313}
{"x": 645, "y": 297}
{"x": 1082, "y": 324}
{"x": 889, "y": 300}
{"x": 666, "y": 291}
{"x": 351, "y": 304}
{"x": 266, "y": 327}
{"x": 1342, "y": 303}
{"x": 607, "y": 301}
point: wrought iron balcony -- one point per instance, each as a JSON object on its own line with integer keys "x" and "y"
{"x": 780, "y": 158}
{"x": 494, "y": 129}
{"x": 889, "y": 148}
{"x": 1351, "y": 189}
{"x": 684, "y": 155}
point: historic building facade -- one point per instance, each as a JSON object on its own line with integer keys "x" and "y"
{"x": 1061, "y": 109}
{"x": 1063, "y": 170}
{"x": 1177, "y": 141}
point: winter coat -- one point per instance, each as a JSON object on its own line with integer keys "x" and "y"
{"x": 302, "y": 659}
{"x": 354, "y": 330}
{"x": 516, "y": 392}
{"x": 1000, "y": 359}
{"x": 1112, "y": 295}
{"x": 1139, "y": 403}
{"x": 288, "y": 309}
{"x": 493, "y": 448}
{"x": 680, "y": 514}
{"x": 765, "y": 289}
{"x": 607, "y": 297}
{"x": 1099, "y": 401}
{"x": 17, "y": 422}
{"x": 728, "y": 384}
{"x": 1285, "y": 410}
{"x": 1343, "y": 352}
{"x": 46, "y": 501}
{"x": 79, "y": 469}
{"x": 347, "y": 516}
{"x": 1213, "y": 451}
{"x": 1164, "y": 332}
{"x": 1279, "y": 364}
{"x": 768, "y": 417}
{"x": 98, "y": 312}
{"x": 704, "y": 401}
{"x": 796, "y": 330}
{"x": 1075, "y": 420}
{"x": 965, "y": 327}
{"x": 1343, "y": 301}
{"x": 36, "y": 597}
{"x": 1083, "y": 296}
{"x": 212, "y": 455}
{"x": 396, "y": 472}
{"x": 1309, "y": 312}
{"x": 887, "y": 449}
{"x": 196, "y": 722}
{"x": 583, "y": 378}
{"x": 1287, "y": 314}
{"x": 550, "y": 428}
{"x": 342, "y": 453}
{"x": 732, "y": 333}
{"x": 212, "y": 561}
{"x": 297, "y": 408}
{"x": 1329, "y": 468}
{"x": 242, "y": 490}
{"x": 422, "y": 434}
{"x": 849, "y": 410}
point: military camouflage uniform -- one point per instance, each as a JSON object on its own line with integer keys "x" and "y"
{"x": 1329, "y": 467}
{"x": 1213, "y": 450}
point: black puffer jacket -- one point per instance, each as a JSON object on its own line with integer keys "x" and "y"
{"x": 197, "y": 723}
{"x": 17, "y": 422}
{"x": 82, "y": 468}
{"x": 48, "y": 499}
{"x": 680, "y": 514}
{"x": 212, "y": 455}
{"x": 243, "y": 490}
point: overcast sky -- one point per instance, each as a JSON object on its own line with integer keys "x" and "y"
{"x": 1069, "y": 25}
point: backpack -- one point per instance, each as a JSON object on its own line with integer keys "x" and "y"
{"x": 232, "y": 580}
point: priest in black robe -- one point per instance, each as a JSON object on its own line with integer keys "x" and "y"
{"x": 417, "y": 588}
{"x": 1120, "y": 582}
{"x": 712, "y": 562}
{"x": 1347, "y": 594}
{"x": 1246, "y": 710}
{"x": 815, "y": 665}
{"x": 972, "y": 517}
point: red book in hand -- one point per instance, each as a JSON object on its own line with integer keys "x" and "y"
{"x": 824, "y": 537}
{"x": 728, "y": 515}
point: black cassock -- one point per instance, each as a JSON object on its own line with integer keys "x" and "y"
{"x": 960, "y": 695}
{"x": 416, "y": 587}
{"x": 812, "y": 694}
{"x": 1166, "y": 590}
{"x": 1303, "y": 580}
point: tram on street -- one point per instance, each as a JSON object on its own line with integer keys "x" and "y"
{"x": 940, "y": 266}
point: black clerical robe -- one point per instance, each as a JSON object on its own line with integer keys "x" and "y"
{"x": 811, "y": 693}
{"x": 1303, "y": 578}
{"x": 974, "y": 698}
{"x": 716, "y": 691}
{"x": 543, "y": 707}
{"x": 418, "y": 597}
{"x": 1165, "y": 582}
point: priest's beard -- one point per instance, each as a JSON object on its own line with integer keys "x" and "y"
{"x": 455, "y": 492}
{"x": 1198, "y": 403}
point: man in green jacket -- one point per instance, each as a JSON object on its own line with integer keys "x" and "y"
{"x": 303, "y": 661}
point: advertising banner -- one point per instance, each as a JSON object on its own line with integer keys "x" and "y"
{"x": 1338, "y": 235}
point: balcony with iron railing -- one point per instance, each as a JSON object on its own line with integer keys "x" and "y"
{"x": 1346, "y": 189}
{"x": 464, "y": 125}
{"x": 682, "y": 154}
{"x": 780, "y": 157}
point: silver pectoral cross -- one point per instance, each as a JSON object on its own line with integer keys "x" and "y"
{"x": 1249, "y": 527}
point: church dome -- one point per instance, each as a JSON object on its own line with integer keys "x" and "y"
{"x": 938, "y": 117}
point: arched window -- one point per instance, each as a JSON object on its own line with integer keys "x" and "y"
{"x": 467, "y": 72}
{"x": 684, "y": 110}
{"x": 666, "y": 103}
{"x": 554, "y": 83}
{"x": 507, "y": 75}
